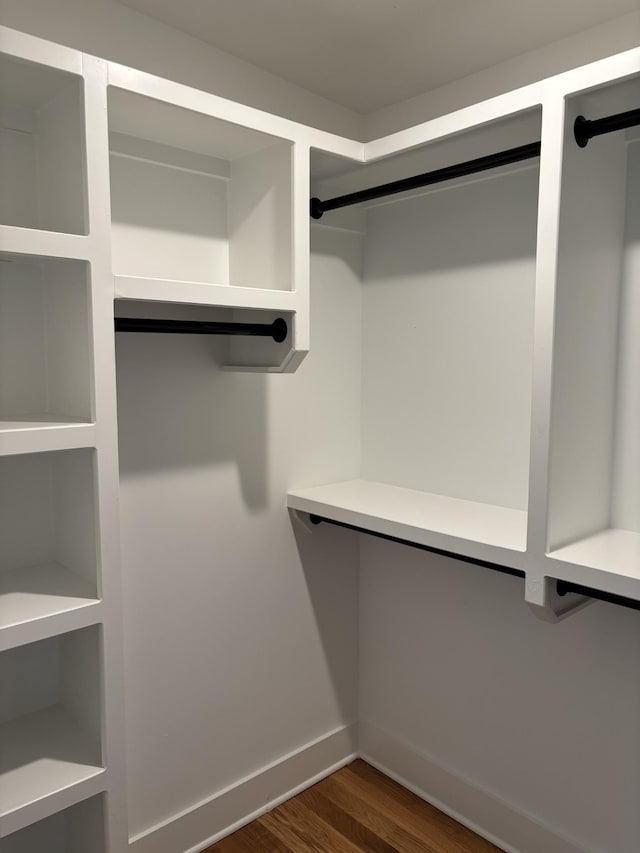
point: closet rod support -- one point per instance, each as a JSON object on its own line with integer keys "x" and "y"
{"x": 459, "y": 170}
{"x": 585, "y": 129}
{"x": 277, "y": 330}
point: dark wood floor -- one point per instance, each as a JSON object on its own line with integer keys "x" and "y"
{"x": 355, "y": 809}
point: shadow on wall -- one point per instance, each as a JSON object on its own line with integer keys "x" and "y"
{"x": 177, "y": 408}
{"x": 330, "y": 560}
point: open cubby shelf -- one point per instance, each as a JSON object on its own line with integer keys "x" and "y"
{"x": 78, "y": 829}
{"x": 44, "y": 328}
{"x": 196, "y": 200}
{"x": 50, "y": 724}
{"x": 48, "y": 563}
{"x": 42, "y": 158}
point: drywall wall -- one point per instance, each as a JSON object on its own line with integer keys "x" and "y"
{"x": 240, "y": 627}
{"x": 107, "y": 29}
{"x": 617, "y": 35}
{"x": 528, "y": 729}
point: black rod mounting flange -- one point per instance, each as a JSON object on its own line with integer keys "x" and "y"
{"x": 585, "y": 129}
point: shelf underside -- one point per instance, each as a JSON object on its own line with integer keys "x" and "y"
{"x": 42, "y": 754}
{"x": 420, "y": 517}
{"x": 31, "y": 597}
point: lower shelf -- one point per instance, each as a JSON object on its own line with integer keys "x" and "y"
{"x": 41, "y": 601}
{"x": 421, "y": 517}
{"x": 44, "y": 757}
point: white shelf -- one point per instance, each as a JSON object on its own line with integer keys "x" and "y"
{"x": 199, "y": 293}
{"x": 50, "y": 244}
{"x": 47, "y": 762}
{"x": 41, "y": 601}
{"x": 613, "y": 555}
{"x": 427, "y": 519}
{"x": 42, "y": 432}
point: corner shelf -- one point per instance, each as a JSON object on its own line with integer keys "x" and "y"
{"x": 42, "y": 601}
{"x": 437, "y": 521}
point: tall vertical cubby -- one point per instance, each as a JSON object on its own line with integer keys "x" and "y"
{"x": 61, "y": 751}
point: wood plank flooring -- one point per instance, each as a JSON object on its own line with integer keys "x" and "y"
{"x": 356, "y": 809}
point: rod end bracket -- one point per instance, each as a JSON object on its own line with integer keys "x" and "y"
{"x": 581, "y": 131}
{"x": 315, "y": 208}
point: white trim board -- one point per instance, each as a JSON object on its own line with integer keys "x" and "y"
{"x": 466, "y": 801}
{"x": 205, "y": 823}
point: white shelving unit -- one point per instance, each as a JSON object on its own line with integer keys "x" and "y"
{"x": 499, "y": 414}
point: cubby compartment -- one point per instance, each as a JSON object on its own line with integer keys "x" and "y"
{"x": 448, "y": 284}
{"x": 195, "y": 199}
{"x": 79, "y": 829}
{"x": 48, "y": 562}
{"x": 45, "y": 343}
{"x": 50, "y": 724}
{"x": 42, "y": 159}
{"x": 594, "y": 491}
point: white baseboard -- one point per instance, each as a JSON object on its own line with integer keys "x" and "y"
{"x": 206, "y": 822}
{"x": 503, "y": 823}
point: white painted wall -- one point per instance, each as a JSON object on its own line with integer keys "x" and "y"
{"x": 241, "y": 637}
{"x": 110, "y": 30}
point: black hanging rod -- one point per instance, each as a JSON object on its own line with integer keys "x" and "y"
{"x": 276, "y": 330}
{"x": 496, "y": 567}
{"x": 585, "y": 129}
{"x": 470, "y": 167}
{"x": 562, "y": 587}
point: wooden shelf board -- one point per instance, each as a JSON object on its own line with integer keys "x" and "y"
{"x": 36, "y": 242}
{"x": 44, "y": 756}
{"x": 41, "y": 432}
{"x": 41, "y": 601}
{"x": 201, "y": 293}
{"x": 614, "y": 551}
{"x": 421, "y": 517}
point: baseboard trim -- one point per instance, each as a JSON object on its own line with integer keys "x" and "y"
{"x": 503, "y": 823}
{"x": 196, "y": 828}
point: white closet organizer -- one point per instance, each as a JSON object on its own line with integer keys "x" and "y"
{"x": 501, "y": 319}
{"x": 206, "y": 210}
{"x": 500, "y": 411}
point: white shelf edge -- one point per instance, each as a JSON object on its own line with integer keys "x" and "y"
{"x": 47, "y": 788}
{"x": 48, "y": 600}
{"x": 36, "y": 436}
{"x": 608, "y": 560}
{"x": 50, "y": 244}
{"x": 199, "y": 293}
{"x": 359, "y": 503}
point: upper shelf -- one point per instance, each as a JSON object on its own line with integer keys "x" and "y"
{"x": 197, "y": 200}
{"x": 426, "y": 519}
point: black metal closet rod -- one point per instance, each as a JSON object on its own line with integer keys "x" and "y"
{"x": 276, "y": 330}
{"x": 562, "y": 587}
{"x": 585, "y": 129}
{"x": 459, "y": 170}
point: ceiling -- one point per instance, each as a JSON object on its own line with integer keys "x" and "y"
{"x": 367, "y": 54}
